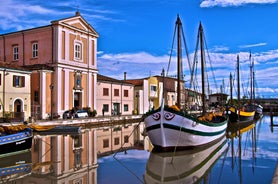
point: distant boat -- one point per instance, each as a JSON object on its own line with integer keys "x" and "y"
{"x": 172, "y": 128}
{"x": 14, "y": 167}
{"x": 253, "y": 105}
{"x": 55, "y": 129}
{"x": 14, "y": 139}
{"x": 187, "y": 166}
{"x": 240, "y": 112}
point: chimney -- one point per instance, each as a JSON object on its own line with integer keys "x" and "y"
{"x": 124, "y": 75}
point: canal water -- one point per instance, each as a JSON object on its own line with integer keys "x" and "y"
{"x": 248, "y": 154}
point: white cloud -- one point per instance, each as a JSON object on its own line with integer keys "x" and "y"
{"x": 16, "y": 14}
{"x": 143, "y": 64}
{"x": 226, "y": 3}
{"x": 140, "y": 58}
{"x": 252, "y": 45}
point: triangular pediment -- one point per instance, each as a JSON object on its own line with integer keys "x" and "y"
{"x": 77, "y": 22}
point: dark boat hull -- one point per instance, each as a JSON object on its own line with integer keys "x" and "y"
{"x": 240, "y": 116}
{"x": 17, "y": 142}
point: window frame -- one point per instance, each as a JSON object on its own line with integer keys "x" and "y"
{"x": 15, "y": 53}
{"x": 105, "y": 91}
{"x": 125, "y": 107}
{"x": 18, "y": 81}
{"x": 153, "y": 88}
{"x": 78, "y": 51}
{"x": 105, "y": 107}
{"x": 125, "y": 93}
{"x": 116, "y": 92}
{"x": 35, "y": 50}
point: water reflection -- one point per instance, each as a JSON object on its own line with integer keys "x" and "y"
{"x": 15, "y": 167}
{"x": 190, "y": 166}
{"x": 60, "y": 159}
{"x": 248, "y": 151}
{"x": 236, "y": 131}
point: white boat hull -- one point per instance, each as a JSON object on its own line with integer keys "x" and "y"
{"x": 167, "y": 130}
{"x": 187, "y": 166}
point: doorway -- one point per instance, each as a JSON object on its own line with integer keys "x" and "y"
{"x": 18, "y": 110}
{"x": 116, "y": 109}
{"x": 77, "y": 100}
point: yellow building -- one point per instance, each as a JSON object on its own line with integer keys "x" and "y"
{"x": 15, "y": 96}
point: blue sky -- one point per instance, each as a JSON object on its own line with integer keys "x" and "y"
{"x": 135, "y": 36}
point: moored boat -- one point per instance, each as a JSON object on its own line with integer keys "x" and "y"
{"x": 241, "y": 112}
{"x": 14, "y": 139}
{"x": 172, "y": 128}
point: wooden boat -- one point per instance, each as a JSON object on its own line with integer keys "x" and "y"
{"x": 14, "y": 139}
{"x": 55, "y": 129}
{"x": 239, "y": 113}
{"x": 14, "y": 167}
{"x": 187, "y": 166}
{"x": 253, "y": 105}
{"x": 171, "y": 128}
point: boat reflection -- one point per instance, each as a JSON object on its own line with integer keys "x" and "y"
{"x": 14, "y": 167}
{"x": 242, "y": 134}
{"x": 188, "y": 166}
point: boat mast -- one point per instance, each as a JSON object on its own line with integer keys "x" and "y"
{"x": 179, "y": 25}
{"x": 231, "y": 89}
{"x": 202, "y": 68}
{"x": 251, "y": 79}
{"x": 238, "y": 82}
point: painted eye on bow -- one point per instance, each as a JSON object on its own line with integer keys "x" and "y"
{"x": 156, "y": 116}
{"x": 169, "y": 116}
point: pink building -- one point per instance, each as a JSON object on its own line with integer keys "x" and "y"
{"x": 114, "y": 97}
{"x": 62, "y": 58}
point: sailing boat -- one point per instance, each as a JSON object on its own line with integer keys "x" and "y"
{"x": 253, "y": 105}
{"x": 170, "y": 128}
{"x": 243, "y": 113}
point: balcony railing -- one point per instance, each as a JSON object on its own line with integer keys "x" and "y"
{"x": 12, "y": 116}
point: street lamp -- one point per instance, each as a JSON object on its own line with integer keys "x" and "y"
{"x": 51, "y": 86}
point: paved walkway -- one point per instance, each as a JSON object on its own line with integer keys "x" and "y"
{"x": 84, "y": 121}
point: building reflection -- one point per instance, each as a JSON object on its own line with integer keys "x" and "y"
{"x": 64, "y": 159}
{"x": 116, "y": 138}
{"x": 72, "y": 158}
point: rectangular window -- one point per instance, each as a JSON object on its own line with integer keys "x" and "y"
{"x": 105, "y": 92}
{"x": 125, "y": 107}
{"x": 106, "y": 143}
{"x": 15, "y": 52}
{"x": 153, "y": 88}
{"x": 126, "y": 138}
{"x": 78, "y": 51}
{"x": 116, "y": 92}
{"x": 116, "y": 141}
{"x": 35, "y": 50}
{"x": 18, "y": 81}
{"x": 36, "y": 96}
{"x": 125, "y": 93}
{"x": 105, "y": 107}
